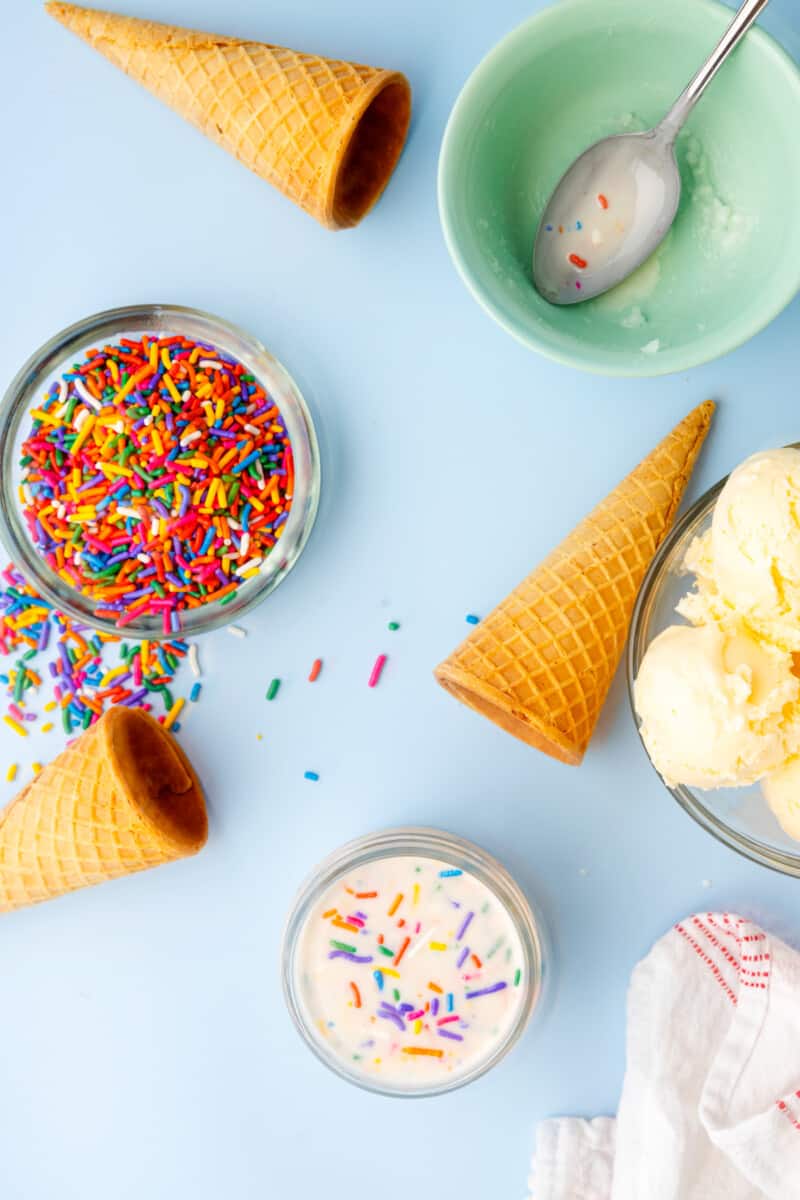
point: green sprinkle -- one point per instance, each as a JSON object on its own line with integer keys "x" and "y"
{"x": 396, "y": 993}
{"x": 272, "y": 690}
{"x": 343, "y": 946}
{"x": 517, "y": 977}
{"x": 230, "y": 596}
{"x": 393, "y": 625}
{"x": 385, "y": 950}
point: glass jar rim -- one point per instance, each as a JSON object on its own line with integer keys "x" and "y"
{"x": 416, "y": 841}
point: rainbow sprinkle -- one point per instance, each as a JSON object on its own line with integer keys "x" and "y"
{"x": 156, "y": 477}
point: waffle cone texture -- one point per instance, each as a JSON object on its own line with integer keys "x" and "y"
{"x": 326, "y": 133}
{"x": 541, "y": 664}
{"x": 122, "y": 798}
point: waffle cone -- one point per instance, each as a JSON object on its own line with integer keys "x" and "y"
{"x": 541, "y": 664}
{"x": 123, "y": 797}
{"x": 326, "y": 133}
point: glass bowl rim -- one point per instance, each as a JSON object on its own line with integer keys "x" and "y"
{"x": 76, "y": 336}
{"x": 748, "y": 847}
{"x": 424, "y": 841}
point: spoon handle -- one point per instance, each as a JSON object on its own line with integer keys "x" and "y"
{"x": 675, "y": 118}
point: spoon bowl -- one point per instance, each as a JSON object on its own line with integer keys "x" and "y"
{"x": 608, "y": 214}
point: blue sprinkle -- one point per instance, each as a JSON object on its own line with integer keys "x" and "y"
{"x": 194, "y": 694}
{"x": 312, "y": 775}
{"x": 579, "y": 224}
{"x": 549, "y": 228}
{"x": 471, "y": 619}
{"x": 449, "y": 873}
{"x": 378, "y": 977}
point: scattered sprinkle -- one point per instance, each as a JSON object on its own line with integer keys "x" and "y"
{"x": 471, "y": 619}
{"x": 316, "y": 667}
{"x": 393, "y": 626}
{"x": 577, "y": 261}
{"x": 602, "y": 200}
{"x": 36, "y": 767}
{"x": 237, "y": 631}
{"x": 194, "y": 694}
{"x": 707, "y": 883}
{"x": 194, "y": 660}
{"x": 377, "y": 670}
{"x": 11, "y": 773}
{"x": 312, "y": 775}
{"x": 272, "y": 690}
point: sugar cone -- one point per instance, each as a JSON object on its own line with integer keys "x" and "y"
{"x": 327, "y": 133}
{"x": 122, "y": 798}
{"x": 541, "y": 664}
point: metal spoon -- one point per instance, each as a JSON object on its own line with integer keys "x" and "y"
{"x": 616, "y": 202}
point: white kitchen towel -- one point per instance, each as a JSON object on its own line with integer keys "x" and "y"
{"x": 710, "y": 1106}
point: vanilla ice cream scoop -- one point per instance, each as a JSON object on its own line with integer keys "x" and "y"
{"x": 717, "y": 709}
{"x": 748, "y": 567}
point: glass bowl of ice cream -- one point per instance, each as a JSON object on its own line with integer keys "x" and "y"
{"x": 714, "y": 660}
{"x": 412, "y": 962}
{"x": 159, "y": 471}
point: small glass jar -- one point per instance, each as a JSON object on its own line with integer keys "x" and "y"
{"x": 375, "y": 987}
{"x": 162, "y": 320}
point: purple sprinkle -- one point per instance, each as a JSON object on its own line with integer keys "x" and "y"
{"x": 356, "y": 958}
{"x": 462, "y": 958}
{"x": 434, "y": 1006}
{"x": 464, "y": 926}
{"x": 455, "y": 1037}
{"x": 404, "y": 1008}
{"x": 487, "y": 991}
{"x": 392, "y": 1016}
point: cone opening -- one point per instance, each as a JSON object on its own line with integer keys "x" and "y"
{"x": 519, "y": 725}
{"x": 158, "y": 778}
{"x": 372, "y": 152}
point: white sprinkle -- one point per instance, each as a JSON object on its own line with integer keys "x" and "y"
{"x": 249, "y": 565}
{"x": 652, "y": 347}
{"x": 194, "y": 661}
{"x": 80, "y": 419}
{"x": 583, "y": 871}
{"x": 148, "y": 421}
{"x": 188, "y": 438}
{"x": 237, "y": 631}
{"x": 62, "y": 392}
{"x": 597, "y": 237}
{"x": 253, "y": 429}
{"x": 706, "y": 883}
{"x": 154, "y": 527}
{"x": 128, "y": 512}
{"x": 143, "y": 558}
{"x": 234, "y": 524}
{"x": 211, "y": 363}
{"x": 61, "y": 511}
{"x": 86, "y": 396}
{"x": 244, "y": 545}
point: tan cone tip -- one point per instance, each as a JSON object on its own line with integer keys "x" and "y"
{"x": 157, "y": 778}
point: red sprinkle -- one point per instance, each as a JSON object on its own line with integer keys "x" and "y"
{"x": 578, "y": 262}
{"x": 315, "y": 670}
{"x": 602, "y": 201}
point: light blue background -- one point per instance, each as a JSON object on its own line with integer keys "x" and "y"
{"x": 145, "y": 1049}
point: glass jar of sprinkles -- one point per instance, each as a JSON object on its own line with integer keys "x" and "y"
{"x": 411, "y": 962}
{"x": 159, "y": 471}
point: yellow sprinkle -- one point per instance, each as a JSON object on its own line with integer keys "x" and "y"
{"x": 109, "y": 675}
{"x": 15, "y": 725}
{"x": 174, "y": 713}
{"x": 50, "y": 706}
{"x": 437, "y": 945}
{"x": 418, "y": 1026}
{"x": 39, "y": 414}
{"x": 416, "y": 893}
{"x": 249, "y": 574}
{"x": 259, "y": 737}
{"x": 173, "y": 391}
{"x": 11, "y": 773}
{"x": 145, "y": 651}
{"x": 36, "y": 768}
{"x": 389, "y": 971}
{"x": 166, "y": 359}
{"x": 46, "y": 728}
{"x": 86, "y": 429}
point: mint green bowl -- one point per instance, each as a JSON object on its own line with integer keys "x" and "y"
{"x": 587, "y": 68}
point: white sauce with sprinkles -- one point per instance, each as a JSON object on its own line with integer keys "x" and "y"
{"x": 410, "y": 971}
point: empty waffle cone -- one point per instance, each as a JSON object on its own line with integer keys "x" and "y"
{"x": 122, "y": 798}
{"x": 541, "y": 664}
{"x": 326, "y": 133}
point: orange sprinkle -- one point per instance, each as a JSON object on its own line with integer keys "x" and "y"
{"x": 330, "y": 913}
{"x": 435, "y": 988}
{"x": 340, "y": 924}
{"x": 423, "y": 1050}
{"x": 365, "y": 895}
{"x": 403, "y": 947}
{"x": 602, "y": 201}
{"x": 476, "y": 960}
{"x": 356, "y": 995}
{"x": 398, "y": 900}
